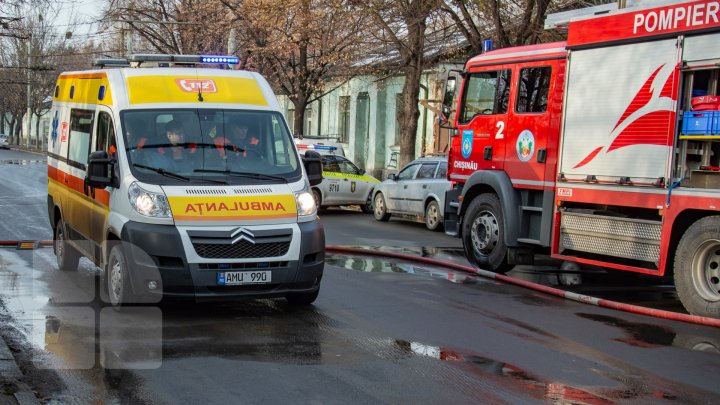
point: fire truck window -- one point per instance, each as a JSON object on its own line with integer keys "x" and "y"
{"x": 81, "y": 123}
{"x": 533, "y": 89}
{"x": 427, "y": 170}
{"x": 485, "y": 93}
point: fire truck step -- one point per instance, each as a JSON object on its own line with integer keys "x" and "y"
{"x": 531, "y": 208}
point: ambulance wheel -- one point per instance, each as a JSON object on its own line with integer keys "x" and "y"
{"x": 367, "y": 208}
{"x": 697, "y": 268}
{"x": 433, "y": 218}
{"x": 380, "y": 209}
{"x": 302, "y": 298}
{"x": 483, "y": 234}
{"x": 67, "y": 256}
{"x": 118, "y": 278}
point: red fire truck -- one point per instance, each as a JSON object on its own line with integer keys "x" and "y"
{"x": 604, "y": 149}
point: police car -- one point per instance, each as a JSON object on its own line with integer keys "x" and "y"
{"x": 343, "y": 182}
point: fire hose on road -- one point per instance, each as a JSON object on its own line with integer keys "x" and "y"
{"x": 658, "y": 313}
{"x": 586, "y": 299}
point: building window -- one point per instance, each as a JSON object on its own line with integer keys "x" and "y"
{"x": 344, "y": 118}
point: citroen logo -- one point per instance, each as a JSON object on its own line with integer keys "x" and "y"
{"x": 242, "y": 234}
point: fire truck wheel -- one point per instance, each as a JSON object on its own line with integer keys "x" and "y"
{"x": 118, "y": 278}
{"x": 483, "y": 234}
{"x": 380, "y": 209}
{"x": 67, "y": 256}
{"x": 433, "y": 219}
{"x": 697, "y": 268}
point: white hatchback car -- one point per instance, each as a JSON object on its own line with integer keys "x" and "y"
{"x": 344, "y": 184}
{"x": 4, "y": 141}
{"x": 417, "y": 190}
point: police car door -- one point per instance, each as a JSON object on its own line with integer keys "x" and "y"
{"x": 358, "y": 187}
{"x": 332, "y": 180}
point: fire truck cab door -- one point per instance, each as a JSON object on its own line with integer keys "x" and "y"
{"x": 483, "y": 120}
{"x": 532, "y": 122}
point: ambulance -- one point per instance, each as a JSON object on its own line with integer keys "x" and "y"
{"x": 179, "y": 178}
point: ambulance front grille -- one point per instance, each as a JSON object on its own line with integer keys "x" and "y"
{"x": 205, "y": 191}
{"x": 241, "y": 250}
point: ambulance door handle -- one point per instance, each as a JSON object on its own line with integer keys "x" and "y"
{"x": 345, "y": 179}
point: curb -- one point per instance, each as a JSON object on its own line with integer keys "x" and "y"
{"x": 10, "y": 374}
{"x": 23, "y": 149}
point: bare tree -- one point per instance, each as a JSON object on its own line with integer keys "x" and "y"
{"x": 171, "y": 26}
{"x": 403, "y": 25}
{"x": 299, "y": 44}
{"x": 509, "y": 23}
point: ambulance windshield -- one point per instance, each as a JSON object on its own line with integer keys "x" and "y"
{"x": 202, "y": 144}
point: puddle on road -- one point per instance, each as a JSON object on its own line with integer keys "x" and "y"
{"x": 381, "y": 265}
{"x": 650, "y": 336}
{"x": 519, "y": 380}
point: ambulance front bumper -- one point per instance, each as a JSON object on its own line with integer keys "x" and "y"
{"x": 156, "y": 253}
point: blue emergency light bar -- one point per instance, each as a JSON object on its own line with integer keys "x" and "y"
{"x": 230, "y": 60}
{"x": 324, "y": 147}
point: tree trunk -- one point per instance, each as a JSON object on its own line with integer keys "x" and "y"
{"x": 299, "y": 116}
{"x": 38, "y": 136}
{"x": 411, "y": 92}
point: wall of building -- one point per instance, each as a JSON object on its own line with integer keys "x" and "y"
{"x": 373, "y": 149}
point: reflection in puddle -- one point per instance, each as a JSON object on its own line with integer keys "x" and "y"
{"x": 521, "y": 380}
{"x": 20, "y": 162}
{"x": 649, "y": 335}
{"x": 380, "y": 265}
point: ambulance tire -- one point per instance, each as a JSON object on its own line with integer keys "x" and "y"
{"x": 367, "y": 208}
{"x": 433, "y": 217}
{"x": 67, "y": 256}
{"x": 380, "y": 209}
{"x": 483, "y": 234}
{"x": 697, "y": 268}
{"x": 300, "y": 299}
{"x": 117, "y": 278}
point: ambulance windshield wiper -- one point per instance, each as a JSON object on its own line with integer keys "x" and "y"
{"x": 162, "y": 171}
{"x": 243, "y": 174}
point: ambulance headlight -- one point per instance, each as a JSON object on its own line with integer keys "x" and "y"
{"x": 305, "y": 203}
{"x": 148, "y": 203}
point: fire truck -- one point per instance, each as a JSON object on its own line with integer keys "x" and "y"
{"x": 603, "y": 150}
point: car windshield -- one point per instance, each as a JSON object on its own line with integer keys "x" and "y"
{"x": 238, "y": 146}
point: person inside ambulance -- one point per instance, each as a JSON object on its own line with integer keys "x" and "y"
{"x": 136, "y": 142}
{"x": 241, "y": 141}
{"x": 175, "y": 154}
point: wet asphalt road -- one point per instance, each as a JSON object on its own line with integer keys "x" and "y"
{"x": 380, "y": 332}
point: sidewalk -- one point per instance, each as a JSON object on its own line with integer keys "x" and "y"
{"x": 12, "y": 388}
{"x": 28, "y": 150}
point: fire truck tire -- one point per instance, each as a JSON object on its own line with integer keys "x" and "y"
{"x": 433, "y": 217}
{"x": 118, "y": 278}
{"x": 697, "y": 268}
{"x": 380, "y": 209}
{"x": 483, "y": 234}
{"x": 67, "y": 256}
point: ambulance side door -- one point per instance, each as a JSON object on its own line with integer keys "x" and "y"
{"x": 78, "y": 204}
{"x": 103, "y": 140}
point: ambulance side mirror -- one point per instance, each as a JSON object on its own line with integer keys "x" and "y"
{"x": 99, "y": 170}
{"x": 313, "y": 167}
